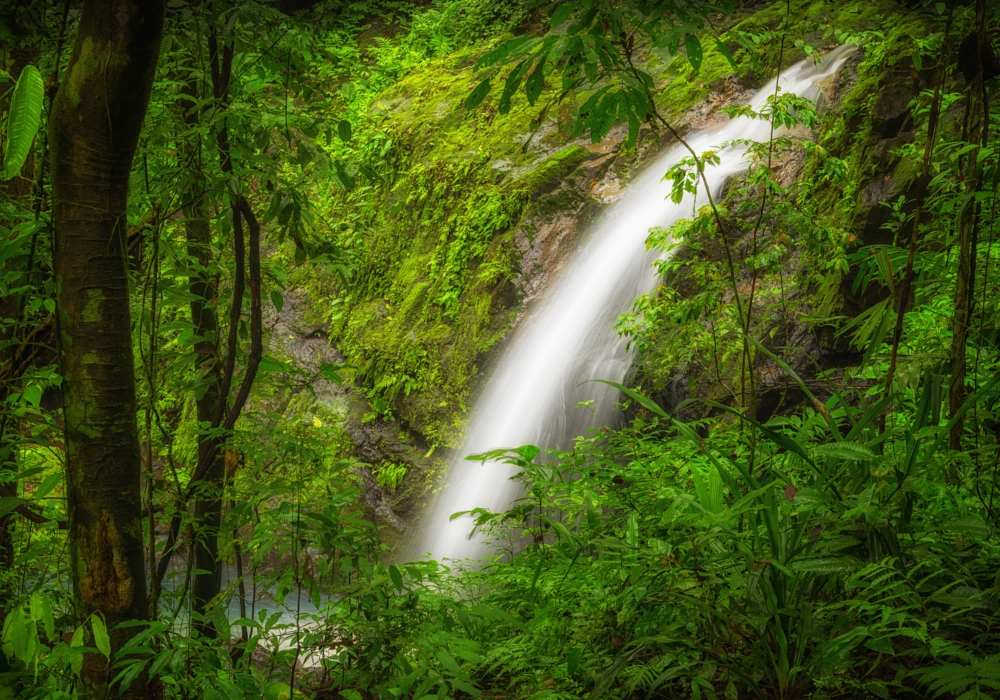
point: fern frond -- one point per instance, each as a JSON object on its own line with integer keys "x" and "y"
{"x": 846, "y": 450}
{"x": 971, "y": 680}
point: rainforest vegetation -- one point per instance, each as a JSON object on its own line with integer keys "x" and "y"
{"x": 259, "y": 258}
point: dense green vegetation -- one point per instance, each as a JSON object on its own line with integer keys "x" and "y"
{"x": 311, "y": 244}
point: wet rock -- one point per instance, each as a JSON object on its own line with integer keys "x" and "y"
{"x": 375, "y": 442}
{"x": 892, "y": 107}
{"x": 376, "y": 498}
{"x": 879, "y": 192}
{"x": 882, "y": 154}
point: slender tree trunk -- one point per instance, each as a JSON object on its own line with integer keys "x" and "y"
{"x": 208, "y": 500}
{"x": 968, "y": 223}
{"x": 9, "y": 434}
{"x": 221, "y": 66}
{"x": 95, "y": 124}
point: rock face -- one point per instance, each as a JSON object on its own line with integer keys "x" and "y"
{"x": 480, "y": 213}
{"x": 866, "y": 121}
{"x": 372, "y": 443}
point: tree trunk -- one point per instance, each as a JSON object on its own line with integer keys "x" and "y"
{"x": 208, "y": 499}
{"x": 221, "y": 67}
{"x": 968, "y": 222}
{"x": 96, "y": 119}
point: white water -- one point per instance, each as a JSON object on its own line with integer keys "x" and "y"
{"x": 569, "y": 338}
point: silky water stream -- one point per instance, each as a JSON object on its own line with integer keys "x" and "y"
{"x": 569, "y": 337}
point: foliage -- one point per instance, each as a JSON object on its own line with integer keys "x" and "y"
{"x": 674, "y": 567}
{"x": 23, "y": 120}
{"x": 837, "y": 549}
{"x": 596, "y": 49}
{"x": 443, "y": 165}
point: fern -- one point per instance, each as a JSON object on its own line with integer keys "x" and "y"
{"x": 845, "y": 450}
{"x": 971, "y": 681}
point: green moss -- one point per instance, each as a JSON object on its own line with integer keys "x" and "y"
{"x": 92, "y": 307}
{"x": 86, "y": 65}
{"x": 434, "y": 246}
{"x": 848, "y": 134}
{"x": 553, "y": 170}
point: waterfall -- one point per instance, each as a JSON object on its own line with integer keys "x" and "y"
{"x": 569, "y": 338}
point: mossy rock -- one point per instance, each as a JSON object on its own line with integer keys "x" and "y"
{"x": 439, "y": 262}
{"x": 864, "y": 127}
{"x": 551, "y": 173}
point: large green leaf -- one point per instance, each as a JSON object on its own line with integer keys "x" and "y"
{"x": 824, "y": 565}
{"x": 344, "y": 130}
{"x": 101, "y": 639}
{"x": 478, "y": 95}
{"x": 643, "y": 401}
{"x": 23, "y": 121}
{"x": 536, "y": 81}
{"x": 846, "y": 450}
{"x": 9, "y": 503}
{"x": 559, "y": 17}
{"x": 694, "y": 51}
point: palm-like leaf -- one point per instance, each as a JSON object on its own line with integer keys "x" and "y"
{"x": 23, "y": 121}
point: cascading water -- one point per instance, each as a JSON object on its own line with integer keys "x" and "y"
{"x": 569, "y": 337}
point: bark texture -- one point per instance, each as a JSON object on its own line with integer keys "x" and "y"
{"x": 96, "y": 119}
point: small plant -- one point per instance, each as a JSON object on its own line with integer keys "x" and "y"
{"x": 390, "y": 475}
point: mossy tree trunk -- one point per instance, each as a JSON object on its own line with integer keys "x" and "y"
{"x": 96, "y": 119}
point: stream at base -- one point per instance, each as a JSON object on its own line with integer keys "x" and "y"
{"x": 294, "y": 613}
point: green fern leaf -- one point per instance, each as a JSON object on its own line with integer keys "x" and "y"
{"x": 823, "y": 565}
{"x": 23, "y": 121}
{"x": 971, "y": 524}
{"x": 846, "y": 450}
{"x": 973, "y": 679}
